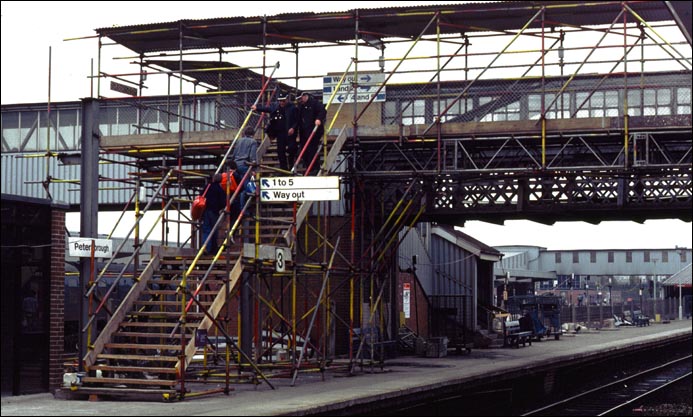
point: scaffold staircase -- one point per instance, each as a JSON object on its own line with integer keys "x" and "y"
{"x": 150, "y": 340}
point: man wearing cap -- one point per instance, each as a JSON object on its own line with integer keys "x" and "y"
{"x": 283, "y": 125}
{"x": 311, "y": 115}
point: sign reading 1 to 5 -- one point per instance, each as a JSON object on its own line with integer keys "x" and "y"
{"x": 299, "y": 188}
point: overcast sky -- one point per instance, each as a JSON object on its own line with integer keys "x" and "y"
{"x": 30, "y": 28}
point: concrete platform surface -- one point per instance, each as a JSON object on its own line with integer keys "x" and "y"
{"x": 406, "y": 375}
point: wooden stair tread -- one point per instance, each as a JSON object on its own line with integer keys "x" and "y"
{"x": 143, "y": 346}
{"x": 150, "y": 324}
{"x": 146, "y": 358}
{"x": 165, "y": 314}
{"x": 167, "y": 303}
{"x": 150, "y": 369}
{"x": 174, "y": 292}
{"x": 147, "y": 335}
{"x": 134, "y": 381}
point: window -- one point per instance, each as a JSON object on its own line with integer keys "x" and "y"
{"x": 558, "y": 257}
{"x": 559, "y": 109}
{"x": 593, "y": 256}
{"x": 457, "y": 109}
{"x": 610, "y": 256}
{"x": 598, "y": 104}
{"x": 414, "y": 112}
{"x": 576, "y": 257}
{"x": 629, "y": 256}
{"x": 646, "y": 256}
{"x": 656, "y": 102}
{"x": 683, "y": 256}
{"x": 665, "y": 256}
{"x": 683, "y": 100}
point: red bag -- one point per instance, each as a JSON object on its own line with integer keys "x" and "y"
{"x": 233, "y": 184}
{"x": 198, "y": 205}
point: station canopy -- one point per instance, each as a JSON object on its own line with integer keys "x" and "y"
{"x": 380, "y": 23}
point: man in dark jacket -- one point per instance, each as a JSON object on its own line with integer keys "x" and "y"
{"x": 244, "y": 152}
{"x": 216, "y": 201}
{"x": 311, "y": 114}
{"x": 283, "y": 125}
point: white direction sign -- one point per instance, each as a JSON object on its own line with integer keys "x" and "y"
{"x": 81, "y": 247}
{"x": 298, "y": 183}
{"x": 299, "y": 189}
{"x": 366, "y": 86}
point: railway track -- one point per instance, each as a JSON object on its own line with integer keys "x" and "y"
{"x": 611, "y": 398}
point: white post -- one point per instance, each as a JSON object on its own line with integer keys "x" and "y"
{"x": 680, "y": 304}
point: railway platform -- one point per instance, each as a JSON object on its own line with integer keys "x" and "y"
{"x": 401, "y": 379}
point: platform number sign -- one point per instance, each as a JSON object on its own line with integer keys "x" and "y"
{"x": 280, "y": 260}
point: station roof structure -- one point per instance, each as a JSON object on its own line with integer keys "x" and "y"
{"x": 682, "y": 278}
{"x": 378, "y": 23}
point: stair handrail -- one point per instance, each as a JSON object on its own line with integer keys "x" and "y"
{"x": 304, "y": 208}
{"x": 114, "y": 284}
{"x": 334, "y": 118}
{"x": 122, "y": 244}
{"x": 245, "y": 121}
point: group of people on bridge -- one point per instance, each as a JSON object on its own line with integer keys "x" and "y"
{"x": 294, "y": 128}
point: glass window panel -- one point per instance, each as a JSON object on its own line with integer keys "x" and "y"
{"x": 597, "y": 99}
{"x": 534, "y": 102}
{"x": 10, "y": 132}
{"x": 611, "y": 98}
{"x": 29, "y": 122}
{"x": 420, "y": 107}
{"x": 663, "y": 111}
{"x": 649, "y": 97}
{"x": 634, "y": 98}
{"x": 683, "y": 110}
{"x": 663, "y": 96}
{"x": 683, "y": 95}
{"x": 579, "y": 100}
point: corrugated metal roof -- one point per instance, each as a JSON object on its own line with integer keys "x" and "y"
{"x": 24, "y": 174}
{"x": 683, "y": 277}
{"x": 402, "y": 22}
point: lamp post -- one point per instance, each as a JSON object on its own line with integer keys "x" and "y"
{"x": 505, "y": 291}
{"x": 680, "y": 304}
{"x": 587, "y": 297}
{"x": 654, "y": 290}
{"x": 570, "y": 289}
{"x": 640, "y": 293}
{"x": 611, "y": 305}
{"x": 601, "y": 302}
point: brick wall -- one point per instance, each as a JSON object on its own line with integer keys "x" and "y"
{"x": 57, "y": 299}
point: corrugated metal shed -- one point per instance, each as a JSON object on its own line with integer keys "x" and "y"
{"x": 683, "y": 278}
